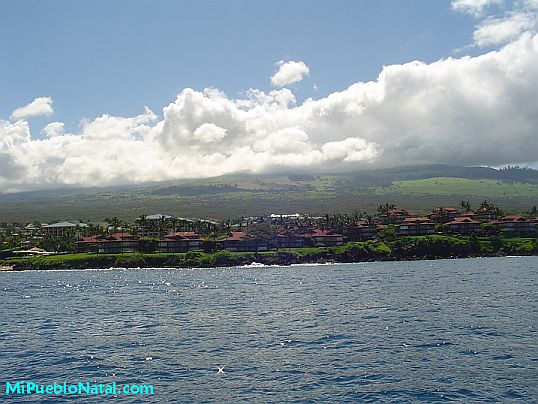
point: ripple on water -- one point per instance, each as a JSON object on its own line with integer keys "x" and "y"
{"x": 456, "y": 330}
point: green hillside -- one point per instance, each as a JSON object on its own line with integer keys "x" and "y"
{"x": 416, "y": 188}
{"x": 462, "y": 186}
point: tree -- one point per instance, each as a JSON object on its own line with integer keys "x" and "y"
{"x": 442, "y": 216}
{"x": 113, "y": 224}
{"x": 384, "y": 209}
{"x": 388, "y": 233}
{"x": 466, "y": 206}
{"x": 490, "y": 208}
{"x": 474, "y": 245}
{"x": 489, "y": 229}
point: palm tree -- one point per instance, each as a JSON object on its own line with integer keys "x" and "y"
{"x": 384, "y": 209}
{"x": 113, "y": 223}
{"x": 466, "y": 206}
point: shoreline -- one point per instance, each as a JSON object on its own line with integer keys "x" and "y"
{"x": 257, "y": 262}
{"x": 399, "y": 249}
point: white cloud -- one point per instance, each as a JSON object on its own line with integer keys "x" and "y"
{"x": 53, "y": 129}
{"x": 12, "y": 136}
{"x": 209, "y": 133}
{"x": 474, "y": 7}
{"x": 494, "y": 31}
{"x": 470, "y": 110}
{"x": 39, "y": 106}
{"x": 504, "y": 26}
{"x": 350, "y": 149}
{"x": 289, "y": 73}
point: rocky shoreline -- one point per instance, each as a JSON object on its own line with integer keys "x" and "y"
{"x": 398, "y": 249}
{"x": 250, "y": 260}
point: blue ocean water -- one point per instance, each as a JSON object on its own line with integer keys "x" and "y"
{"x": 430, "y": 331}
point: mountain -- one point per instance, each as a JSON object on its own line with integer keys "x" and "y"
{"x": 414, "y": 187}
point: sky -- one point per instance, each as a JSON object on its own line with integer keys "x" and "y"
{"x": 111, "y": 92}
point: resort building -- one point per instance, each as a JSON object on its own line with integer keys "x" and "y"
{"x": 108, "y": 243}
{"x": 283, "y": 219}
{"x": 242, "y": 242}
{"x": 444, "y": 215}
{"x": 155, "y": 225}
{"x": 361, "y": 231}
{"x": 394, "y": 216}
{"x": 323, "y": 238}
{"x": 287, "y": 239}
{"x": 484, "y": 215}
{"x": 64, "y": 229}
{"x": 417, "y": 226}
{"x": 463, "y": 225}
{"x": 517, "y": 226}
{"x": 180, "y": 242}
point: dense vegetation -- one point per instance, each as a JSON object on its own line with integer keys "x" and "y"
{"x": 391, "y": 248}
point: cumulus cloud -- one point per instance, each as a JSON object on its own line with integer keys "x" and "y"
{"x": 39, "y": 106}
{"x": 495, "y": 31}
{"x": 209, "y": 133}
{"x": 53, "y": 129}
{"x": 504, "y": 26}
{"x": 470, "y": 110}
{"x": 289, "y": 73}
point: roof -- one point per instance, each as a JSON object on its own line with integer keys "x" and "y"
{"x": 514, "y": 218}
{"x": 463, "y": 220}
{"x": 185, "y": 235}
{"x": 236, "y": 236}
{"x": 421, "y": 220}
{"x": 320, "y": 233}
{"x": 109, "y": 238}
{"x": 158, "y": 216}
{"x": 65, "y": 224}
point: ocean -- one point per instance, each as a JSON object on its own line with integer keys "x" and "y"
{"x": 417, "y": 331}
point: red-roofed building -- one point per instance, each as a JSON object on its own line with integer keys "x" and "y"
{"x": 287, "y": 239}
{"x": 484, "y": 215}
{"x": 440, "y": 215}
{"x": 240, "y": 241}
{"x": 180, "y": 242}
{"x": 394, "y": 216}
{"x": 108, "y": 243}
{"x": 417, "y": 226}
{"x": 463, "y": 225}
{"x": 517, "y": 226}
{"x": 323, "y": 238}
{"x": 361, "y": 231}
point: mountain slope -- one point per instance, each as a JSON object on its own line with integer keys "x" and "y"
{"x": 416, "y": 187}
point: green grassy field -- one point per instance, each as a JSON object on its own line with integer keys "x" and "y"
{"x": 461, "y": 186}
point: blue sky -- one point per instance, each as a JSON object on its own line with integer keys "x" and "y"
{"x": 115, "y": 57}
{"x": 89, "y": 89}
